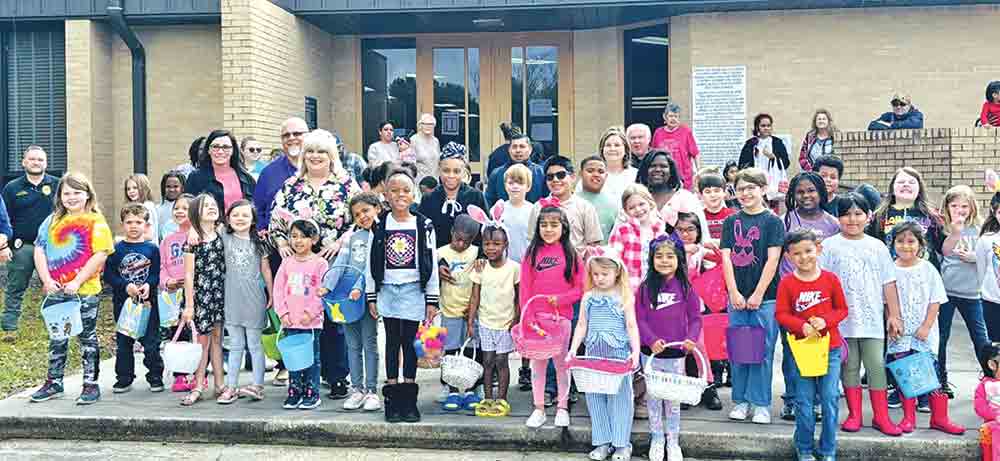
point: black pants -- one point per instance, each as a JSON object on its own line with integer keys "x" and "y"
{"x": 333, "y": 352}
{"x": 125, "y": 357}
{"x": 399, "y": 335}
{"x": 274, "y": 260}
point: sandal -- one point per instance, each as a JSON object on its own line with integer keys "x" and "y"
{"x": 253, "y": 392}
{"x": 193, "y": 397}
{"x": 486, "y": 408}
{"x": 501, "y": 408}
{"x": 227, "y": 396}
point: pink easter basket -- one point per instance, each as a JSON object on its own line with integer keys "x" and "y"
{"x": 597, "y": 375}
{"x": 546, "y": 337}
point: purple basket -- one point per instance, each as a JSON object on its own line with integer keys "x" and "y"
{"x": 745, "y": 344}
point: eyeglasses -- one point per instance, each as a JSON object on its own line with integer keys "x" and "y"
{"x": 686, "y": 230}
{"x": 560, "y": 175}
{"x": 898, "y": 104}
{"x": 255, "y": 150}
{"x": 221, "y": 147}
{"x": 297, "y": 134}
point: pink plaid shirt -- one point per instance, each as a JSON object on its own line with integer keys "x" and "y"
{"x": 632, "y": 244}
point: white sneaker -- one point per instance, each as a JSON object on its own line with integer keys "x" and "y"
{"x": 269, "y": 365}
{"x": 445, "y": 392}
{"x": 740, "y": 411}
{"x": 355, "y": 400}
{"x": 536, "y": 420}
{"x": 600, "y": 453}
{"x": 562, "y": 418}
{"x": 372, "y": 402}
{"x": 762, "y": 415}
{"x": 622, "y": 454}
{"x": 656, "y": 449}
{"x": 674, "y": 453}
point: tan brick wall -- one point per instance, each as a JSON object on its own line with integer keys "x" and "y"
{"x": 847, "y": 60}
{"x": 945, "y": 157}
{"x": 598, "y": 92}
{"x": 271, "y": 61}
{"x": 347, "y": 91}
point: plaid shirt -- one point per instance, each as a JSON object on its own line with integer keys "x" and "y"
{"x": 632, "y": 244}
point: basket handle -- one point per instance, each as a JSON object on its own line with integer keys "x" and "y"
{"x": 702, "y": 363}
{"x": 180, "y": 326}
{"x": 528, "y": 305}
{"x": 45, "y": 300}
{"x": 461, "y": 351}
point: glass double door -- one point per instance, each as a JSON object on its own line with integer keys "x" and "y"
{"x": 472, "y": 83}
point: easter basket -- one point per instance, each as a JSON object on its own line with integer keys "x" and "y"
{"x": 545, "y": 338}
{"x": 429, "y": 345}
{"x": 460, "y": 371}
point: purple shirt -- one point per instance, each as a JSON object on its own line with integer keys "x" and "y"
{"x": 825, "y": 225}
{"x": 671, "y": 316}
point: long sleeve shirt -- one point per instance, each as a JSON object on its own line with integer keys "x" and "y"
{"x": 671, "y": 315}
{"x": 269, "y": 183}
{"x": 799, "y": 300}
{"x": 296, "y": 291}
{"x": 132, "y": 262}
{"x": 545, "y": 276}
{"x": 987, "y": 399}
{"x": 987, "y": 262}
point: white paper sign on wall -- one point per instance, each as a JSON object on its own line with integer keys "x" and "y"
{"x": 719, "y": 112}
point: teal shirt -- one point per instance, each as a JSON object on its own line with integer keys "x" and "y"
{"x": 607, "y": 210}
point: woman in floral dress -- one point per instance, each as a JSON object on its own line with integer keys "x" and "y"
{"x": 321, "y": 191}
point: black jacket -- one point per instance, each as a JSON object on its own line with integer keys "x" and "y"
{"x": 430, "y": 206}
{"x": 203, "y": 180}
{"x": 780, "y": 152}
{"x": 425, "y": 259}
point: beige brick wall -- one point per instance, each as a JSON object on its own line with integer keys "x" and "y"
{"x": 847, "y": 60}
{"x": 271, "y": 61}
{"x": 598, "y": 90}
{"x": 347, "y": 91}
{"x": 945, "y": 157}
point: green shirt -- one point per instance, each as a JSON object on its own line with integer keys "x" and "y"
{"x": 607, "y": 210}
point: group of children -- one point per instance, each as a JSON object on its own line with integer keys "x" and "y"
{"x": 868, "y": 277}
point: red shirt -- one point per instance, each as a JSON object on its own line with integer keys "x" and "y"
{"x": 715, "y": 221}
{"x": 798, "y": 301}
{"x": 682, "y": 147}
{"x": 990, "y": 113}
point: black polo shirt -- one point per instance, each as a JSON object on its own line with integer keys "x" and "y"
{"x": 28, "y": 205}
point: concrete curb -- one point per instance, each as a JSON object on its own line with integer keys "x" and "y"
{"x": 697, "y": 438}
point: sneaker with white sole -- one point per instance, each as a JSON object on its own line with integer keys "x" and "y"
{"x": 761, "y": 415}
{"x": 372, "y": 402}
{"x": 443, "y": 395}
{"x": 674, "y": 453}
{"x": 355, "y": 401}
{"x": 740, "y": 411}
{"x": 536, "y": 420}
{"x": 656, "y": 447}
{"x": 562, "y": 418}
{"x": 600, "y": 453}
{"x": 622, "y": 454}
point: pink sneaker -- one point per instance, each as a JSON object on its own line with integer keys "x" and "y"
{"x": 181, "y": 384}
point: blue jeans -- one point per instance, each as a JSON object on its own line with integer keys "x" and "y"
{"x": 362, "y": 344}
{"x": 828, "y": 388}
{"x": 752, "y": 383}
{"x": 972, "y": 314}
{"x": 788, "y": 371}
{"x": 308, "y": 378}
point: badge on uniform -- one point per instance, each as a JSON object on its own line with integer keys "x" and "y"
{"x": 47, "y": 189}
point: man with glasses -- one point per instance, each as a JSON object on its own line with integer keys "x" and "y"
{"x": 902, "y": 117}
{"x": 639, "y": 138}
{"x": 29, "y": 200}
{"x": 520, "y": 152}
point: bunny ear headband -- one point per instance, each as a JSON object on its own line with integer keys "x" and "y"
{"x": 605, "y": 252}
{"x": 485, "y": 220}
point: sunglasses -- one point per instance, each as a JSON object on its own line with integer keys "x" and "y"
{"x": 898, "y": 104}
{"x": 297, "y": 134}
{"x": 255, "y": 150}
{"x": 560, "y": 175}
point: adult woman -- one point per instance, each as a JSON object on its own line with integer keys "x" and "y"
{"x": 819, "y": 140}
{"x": 677, "y": 139}
{"x": 383, "y": 150}
{"x": 220, "y": 171}
{"x": 253, "y": 155}
{"x": 613, "y": 148}
{"x": 426, "y": 148}
{"x": 762, "y": 150}
{"x": 658, "y": 173}
{"x": 320, "y": 191}
{"x": 452, "y": 196}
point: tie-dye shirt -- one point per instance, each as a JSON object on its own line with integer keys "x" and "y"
{"x": 70, "y": 242}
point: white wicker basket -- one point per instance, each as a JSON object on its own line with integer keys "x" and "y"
{"x": 460, "y": 371}
{"x": 592, "y": 381}
{"x": 662, "y": 385}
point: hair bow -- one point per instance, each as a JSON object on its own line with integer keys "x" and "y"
{"x": 454, "y": 150}
{"x": 606, "y": 253}
{"x": 549, "y": 202}
{"x": 664, "y": 238}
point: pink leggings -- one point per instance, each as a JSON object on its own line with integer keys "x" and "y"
{"x": 538, "y": 380}
{"x": 994, "y": 428}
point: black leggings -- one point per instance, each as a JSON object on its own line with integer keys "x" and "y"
{"x": 399, "y": 334}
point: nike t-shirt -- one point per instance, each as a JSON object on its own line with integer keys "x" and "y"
{"x": 799, "y": 300}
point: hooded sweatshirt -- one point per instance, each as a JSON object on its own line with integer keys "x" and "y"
{"x": 670, "y": 315}
{"x": 544, "y": 276}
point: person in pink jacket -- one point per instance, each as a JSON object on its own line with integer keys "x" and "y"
{"x": 172, "y": 275}
{"x": 987, "y": 401}
{"x": 551, "y": 268}
{"x": 298, "y": 305}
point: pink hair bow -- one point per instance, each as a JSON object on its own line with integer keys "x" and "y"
{"x": 549, "y": 202}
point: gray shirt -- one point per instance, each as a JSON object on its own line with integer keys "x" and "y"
{"x": 960, "y": 278}
{"x": 246, "y": 294}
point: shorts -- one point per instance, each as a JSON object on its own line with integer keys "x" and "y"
{"x": 498, "y": 341}
{"x": 456, "y": 333}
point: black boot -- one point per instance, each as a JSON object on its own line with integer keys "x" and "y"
{"x": 408, "y": 402}
{"x": 390, "y": 393}
{"x": 710, "y": 398}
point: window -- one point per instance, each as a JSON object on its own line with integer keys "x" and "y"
{"x": 646, "y": 75}
{"x": 311, "y": 117}
{"x": 389, "y": 86}
{"x": 34, "y": 73}
{"x": 535, "y": 93}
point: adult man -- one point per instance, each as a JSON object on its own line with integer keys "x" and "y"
{"x": 903, "y": 115}
{"x": 29, "y": 199}
{"x": 639, "y": 137}
{"x": 520, "y": 152}
{"x": 500, "y": 156}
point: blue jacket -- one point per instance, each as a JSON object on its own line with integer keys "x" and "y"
{"x": 913, "y": 119}
{"x": 5, "y": 227}
{"x": 268, "y": 185}
{"x": 495, "y": 187}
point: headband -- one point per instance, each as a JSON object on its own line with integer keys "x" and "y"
{"x": 454, "y": 150}
{"x": 485, "y": 220}
{"x": 664, "y": 239}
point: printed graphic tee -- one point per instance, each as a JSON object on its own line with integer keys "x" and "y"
{"x": 748, "y": 237}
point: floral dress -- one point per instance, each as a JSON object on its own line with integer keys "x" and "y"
{"x": 327, "y": 205}
{"x": 209, "y": 283}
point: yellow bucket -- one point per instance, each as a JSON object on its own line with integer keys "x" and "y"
{"x": 812, "y": 355}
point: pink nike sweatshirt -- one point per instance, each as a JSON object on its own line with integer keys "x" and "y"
{"x": 545, "y": 276}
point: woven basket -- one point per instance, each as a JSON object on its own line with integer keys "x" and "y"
{"x": 598, "y": 375}
{"x": 460, "y": 371}
{"x": 430, "y": 360}
{"x": 662, "y": 385}
{"x": 530, "y": 344}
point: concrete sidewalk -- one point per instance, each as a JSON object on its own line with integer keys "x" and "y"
{"x": 142, "y": 416}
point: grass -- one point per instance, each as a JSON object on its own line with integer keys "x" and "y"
{"x": 24, "y": 364}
